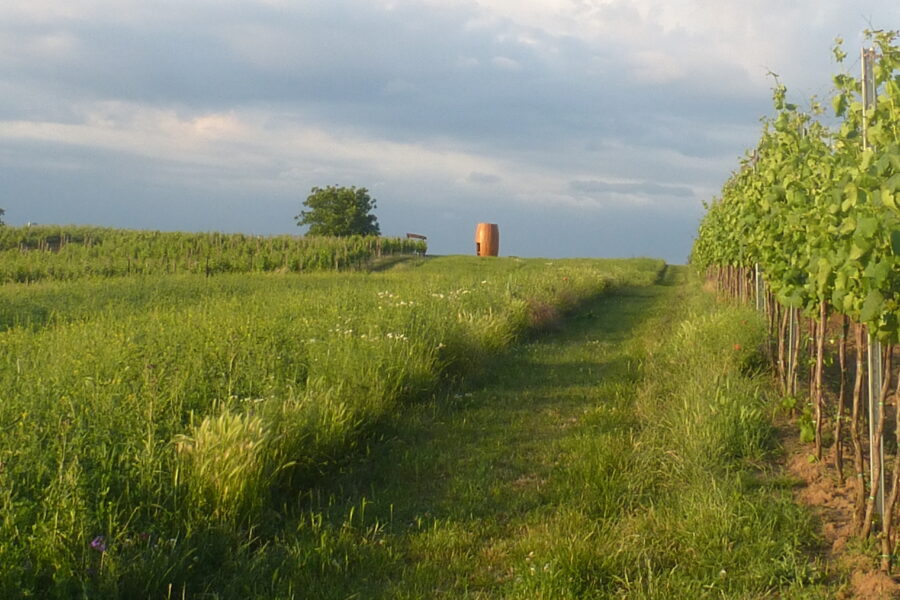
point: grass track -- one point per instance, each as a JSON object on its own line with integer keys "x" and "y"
{"x": 536, "y": 482}
{"x": 447, "y": 504}
{"x": 479, "y": 475}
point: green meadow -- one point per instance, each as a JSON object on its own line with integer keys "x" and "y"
{"x": 409, "y": 427}
{"x": 153, "y": 424}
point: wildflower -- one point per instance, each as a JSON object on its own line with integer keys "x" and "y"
{"x": 737, "y": 347}
{"x": 99, "y": 543}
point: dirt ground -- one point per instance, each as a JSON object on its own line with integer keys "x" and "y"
{"x": 833, "y": 504}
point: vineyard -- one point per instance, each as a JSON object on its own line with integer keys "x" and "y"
{"x": 35, "y": 253}
{"x": 152, "y": 422}
{"x": 809, "y": 228}
{"x": 228, "y": 416}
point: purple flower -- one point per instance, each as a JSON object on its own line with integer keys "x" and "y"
{"x": 99, "y": 543}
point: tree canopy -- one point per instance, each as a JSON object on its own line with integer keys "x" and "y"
{"x": 339, "y": 211}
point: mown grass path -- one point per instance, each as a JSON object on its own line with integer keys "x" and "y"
{"x": 457, "y": 497}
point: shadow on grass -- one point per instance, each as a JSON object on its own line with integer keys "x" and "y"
{"x": 398, "y": 261}
{"x": 446, "y": 475}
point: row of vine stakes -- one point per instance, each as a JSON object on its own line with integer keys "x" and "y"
{"x": 815, "y": 212}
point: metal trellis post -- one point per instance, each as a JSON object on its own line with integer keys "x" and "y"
{"x": 874, "y": 350}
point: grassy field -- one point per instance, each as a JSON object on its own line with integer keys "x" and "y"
{"x": 627, "y": 454}
{"x": 159, "y": 430}
{"x": 441, "y": 428}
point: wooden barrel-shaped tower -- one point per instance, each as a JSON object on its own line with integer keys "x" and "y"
{"x": 487, "y": 239}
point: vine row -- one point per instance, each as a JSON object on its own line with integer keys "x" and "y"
{"x": 809, "y": 226}
{"x": 36, "y": 253}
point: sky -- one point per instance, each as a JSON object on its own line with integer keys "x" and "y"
{"x": 593, "y": 128}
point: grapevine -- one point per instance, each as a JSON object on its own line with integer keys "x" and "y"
{"x": 816, "y": 208}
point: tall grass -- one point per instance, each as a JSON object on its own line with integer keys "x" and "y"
{"x": 626, "y": 456}
{"x": 37, "y": 253}
{"x": 679, "y": 498}
{"x": 151, "y": 426}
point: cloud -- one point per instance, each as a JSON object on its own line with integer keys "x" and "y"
{"x": 505, "y": 63}
{"x": 249, "y": 144}
{"x": 484, "y": 178}
{"x": 656, "y": 67}
{"x": 645, "y": 188}
{"x": 456, "y": 107}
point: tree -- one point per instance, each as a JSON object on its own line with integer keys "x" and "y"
{"x": 339, "y": 211}
{"x": 2, "y": 212}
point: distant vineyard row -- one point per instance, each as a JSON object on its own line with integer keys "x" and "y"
{"x": 37, "y": 253}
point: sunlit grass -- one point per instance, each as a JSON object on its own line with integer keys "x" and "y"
{"x": 175, "y": 418}
{"x": 628, "y": 455}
